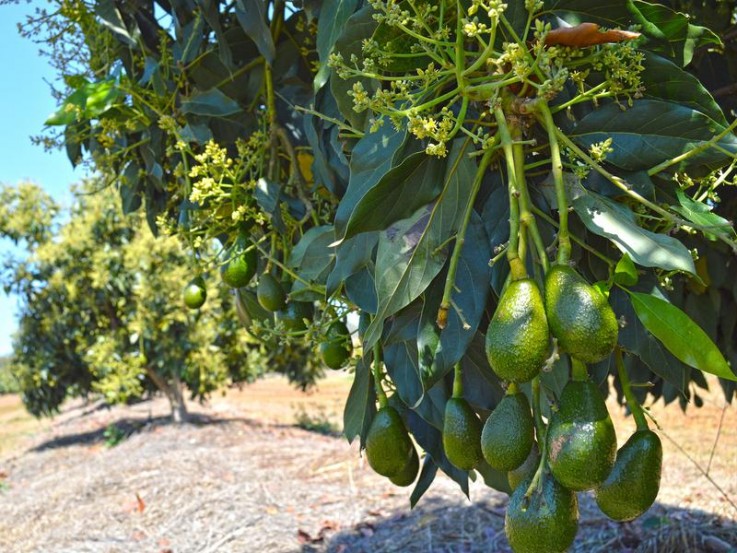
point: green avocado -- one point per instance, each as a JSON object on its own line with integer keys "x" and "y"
{"x": 579, "y": 316}
{"x": 238, "y": 271}
{"x": 516, "y": 476}
{"x": 517, "y": 340}
{"x": 508, "y": 433}
{"x": 294, "y": 314}
{"x": 461, "y": 434}
{"x": 195, "y": 293}
{"x": 388, "y": 446}
{"x": 408, "y": 474}
{"x": 581, "y": 441}
{"x": 634, "y": 482}
{"x": 270, "y": 293}
{"x": 546, "y": 522}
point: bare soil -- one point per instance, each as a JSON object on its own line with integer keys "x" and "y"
{"x": 243, "y": 478}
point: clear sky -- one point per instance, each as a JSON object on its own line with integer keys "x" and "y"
{"x": 25, "y": 103}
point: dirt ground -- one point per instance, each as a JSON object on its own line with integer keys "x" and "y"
{"x": 244, "y": 478}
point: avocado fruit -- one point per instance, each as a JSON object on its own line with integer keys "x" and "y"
{"x": 461, "y": 434}
{"x": 294, "y": 314}
{"x": 517, "y": 340}
{"x": 546, "y": 522}
{"x": 270, "y": 293}
{"x": 240, "y": 267}
{"x": 408, "y": 474}
{"x": 579, "y": 315}
{"x": 195, "y": 293}
{"x": 508, "y": 433}
{"x": 388, "y": 445}
{"x": 634, "y": 482}
{"x": 581, "y": 442}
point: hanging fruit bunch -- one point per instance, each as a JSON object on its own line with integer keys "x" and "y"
{"x": 516, "y": 224}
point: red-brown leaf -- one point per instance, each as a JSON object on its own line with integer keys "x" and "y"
{"x": 586, "y": 34}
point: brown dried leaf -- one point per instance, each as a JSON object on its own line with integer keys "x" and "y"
{"x": 586, "y": 34}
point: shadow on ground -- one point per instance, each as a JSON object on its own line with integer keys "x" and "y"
{"x": 439, "y": 525}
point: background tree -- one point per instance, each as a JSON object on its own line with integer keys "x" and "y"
{"x": 102, "y": 311}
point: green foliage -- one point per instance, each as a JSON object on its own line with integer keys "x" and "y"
{"x": 8, "y": 382}
{"x": 440, "y": 139}
{"x": 114, "y": 435}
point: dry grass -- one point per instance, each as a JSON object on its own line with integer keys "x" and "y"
{"x": 241, "y": 479}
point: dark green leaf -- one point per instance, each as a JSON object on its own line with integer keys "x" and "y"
{"x": 410, "y": 253}
{"x": 653, "y": 131}
{"x": 665, "y": 80}
{"x": 110, "y": 17}
{"x": 361, "y": 403}
{"x": 371, "y": 159}
{"x": 401, "y": 364}
{"x": 351, "y": 255}
{"x": 400, "y": 192}
{"x": 333, "y": 21}
{"x": 493, "y": 478}
{"x": 427, "y": 475}
{"x": 252, "y": 16}
{"x": 617, "y": 222}
{"x": 312, "y": 255}
{"x": 212, "y": 103}
{"x": 683, "y": 338}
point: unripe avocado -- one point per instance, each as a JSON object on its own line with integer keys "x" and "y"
{"x": 579, "y": 316}
{"x": 461, "y": 434}
{"x": 294, "y": 314}
{"x": 195, "y": 293}
{"x": 581, "y": 441}
{"x": 388, "y": 446}
{"x": 517, "y": 340}
{"x": 408, "y": 474}
{"x": 546, "y": 522}
{"x": 238, "y": 271}
{"x": 270, "y": 293}
{"x": 516, "y": 476}
{"x": 508, "y": 433}
{"x": 634, "y": 482}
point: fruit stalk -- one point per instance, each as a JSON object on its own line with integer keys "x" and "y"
{"x": 516, "y": 265}
{"x": 380, "y": 394}
{"x": 541, "y": 436}
{"x": 564, "y": 240}
{"x": 632, "y": 402}
{"x": 442, "y": 318}
{"x": 457, "y": 382}
{"x": 527, "y": 219}
{"x": 578, "y": 370}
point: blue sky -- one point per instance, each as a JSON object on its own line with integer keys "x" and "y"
{"x": 25, "y": 102}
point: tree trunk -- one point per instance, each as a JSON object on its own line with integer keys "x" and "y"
{"x": 173, "y": 392}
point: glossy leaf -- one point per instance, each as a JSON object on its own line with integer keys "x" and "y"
{"x": 332, "y": 22}
{"x": 212, "y": 103}
{"x": 617, "y": 222}
{"x": 651, "y": 132}
{"x": 405, "y": 188}
{"x": 410, "y": 253}
{"x": 360, "y": 405}
{"x": 427, "y": 476}
{"x": 684, "y": 338}
{"x": 403, "y": 368}
{"x": 625, "y": 273}
{"x": 372, "y": 158}
{"x": 701, "y": 214}
{"x": 252, "y": 17}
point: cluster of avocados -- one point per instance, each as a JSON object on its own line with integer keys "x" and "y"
{"x": 237, "y": 272}
{"x": 546, "y": 463}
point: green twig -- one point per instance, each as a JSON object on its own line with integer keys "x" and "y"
{"x": 457, "y": 382}
{"x": 380, "y": 394}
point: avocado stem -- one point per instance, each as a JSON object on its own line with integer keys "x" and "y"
{"x": 579, "y": 371}
{"x": 445, "y": 302}
{"x": 541, "y": 436}
{"x": 516, "y": 266}
{"x": 564, "y": 239}
{"x": 527, "y": 218}
{"x": 512, "y": 389}
{"x": 457, "y": 382}
{"x": 632, "y": 403}
{"x": 380, "y": 394}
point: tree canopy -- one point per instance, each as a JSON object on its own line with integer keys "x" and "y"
{"x": 409, "y": 161}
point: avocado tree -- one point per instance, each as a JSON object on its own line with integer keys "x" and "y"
{"x": 101, "y": 308}
{"x": 528, "y": 203}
